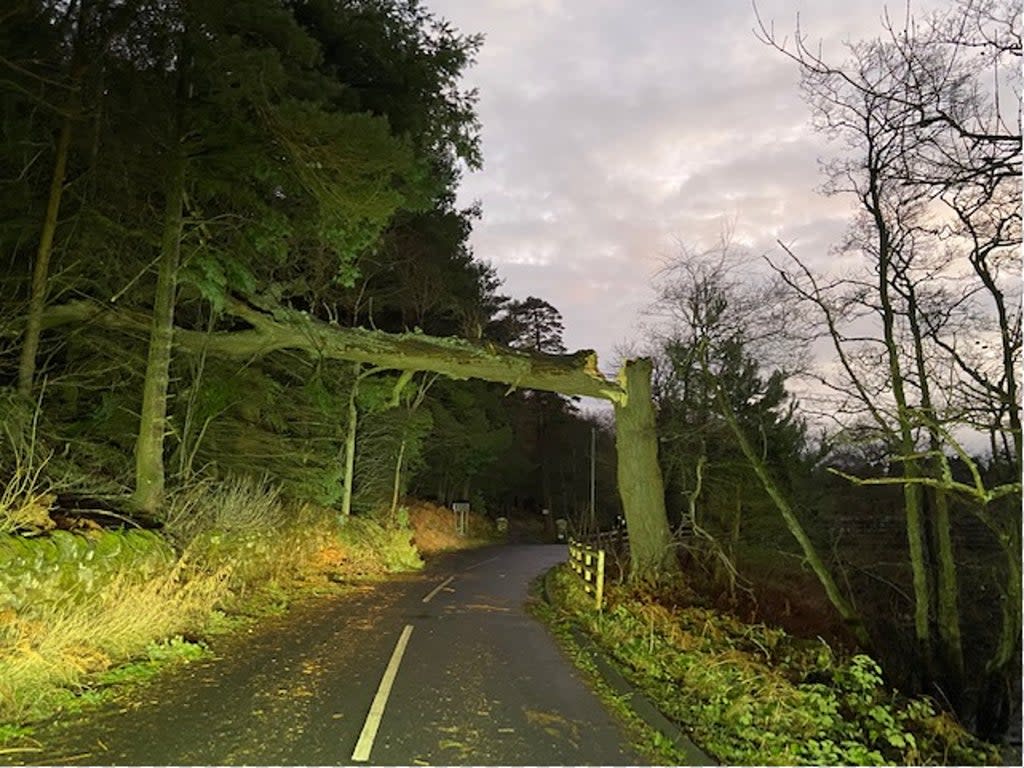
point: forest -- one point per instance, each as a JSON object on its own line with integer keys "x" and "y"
{"x": 238, "y": 295}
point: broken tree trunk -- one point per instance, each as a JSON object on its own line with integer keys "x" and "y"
{"x": 641, "y": 487}
{"x": 571, "y": 374}
{"x": 639, "y": 473}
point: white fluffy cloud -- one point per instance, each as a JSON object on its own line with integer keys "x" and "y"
{"x": 611, "y": 130}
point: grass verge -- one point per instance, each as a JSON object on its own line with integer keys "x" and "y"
{"x": 90, "y": 621}
{"x": 647, "y": 741}
{"x": 752, "y": 694}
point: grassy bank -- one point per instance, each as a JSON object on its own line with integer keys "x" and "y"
{"x": 83, "y": 613}
{"x": 752, "y": 694}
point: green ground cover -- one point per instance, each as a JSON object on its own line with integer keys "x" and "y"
{"x": 752, "y": 694}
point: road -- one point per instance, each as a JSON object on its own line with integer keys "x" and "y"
{"x": 444, "y": 667}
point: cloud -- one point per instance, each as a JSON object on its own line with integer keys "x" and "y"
{"x": 611, "y": 130}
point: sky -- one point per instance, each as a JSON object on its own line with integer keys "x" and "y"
{"x": 613, "y": 130}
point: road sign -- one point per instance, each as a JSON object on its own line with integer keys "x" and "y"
{"x": 461, "y": 510}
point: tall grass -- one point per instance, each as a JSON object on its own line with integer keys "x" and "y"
{"x": 54, "y": 645}
{"x": 25, "y": 496}
{"x": 236, "y": 543}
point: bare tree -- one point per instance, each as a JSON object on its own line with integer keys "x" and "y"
{"x": 927, "y": 334}
{"x": 719, "y": 324}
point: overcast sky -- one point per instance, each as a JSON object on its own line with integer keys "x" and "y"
{"x": 614, "y": 128}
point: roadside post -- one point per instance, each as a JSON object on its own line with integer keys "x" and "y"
{"x": 461, "y": 510}
{"x": 588, "y": 562}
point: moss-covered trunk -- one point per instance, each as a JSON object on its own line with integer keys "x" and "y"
{"x": 652, "y": 556}
{"x": 149, "y": 448}
{"x": 41, "y": 268}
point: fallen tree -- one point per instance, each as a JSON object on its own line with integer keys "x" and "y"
{"x": 640, "y": 480}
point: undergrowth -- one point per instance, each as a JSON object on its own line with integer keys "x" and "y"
{"x": 753, "y": 694}
{"x": 434, "y": 528}
{"x": 643, "y": 738}
{"x": 80, "y": 613}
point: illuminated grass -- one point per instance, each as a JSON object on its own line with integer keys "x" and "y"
{"x": 55, "y": 646}
{"x": 84, "y": 615}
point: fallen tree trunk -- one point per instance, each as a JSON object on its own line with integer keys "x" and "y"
{"x": 571, "y": 374}
{"x": 640, "y": 482}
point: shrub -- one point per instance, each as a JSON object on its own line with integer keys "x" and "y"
{"x": 370, "y": 548}
{"x": 237, "y": 503}
{"x": 753, "y": 694}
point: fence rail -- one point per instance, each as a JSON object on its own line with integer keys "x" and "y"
{"x": 588, "y": 562}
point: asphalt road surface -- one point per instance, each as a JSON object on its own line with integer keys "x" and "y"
{"x": 444, "y": 667}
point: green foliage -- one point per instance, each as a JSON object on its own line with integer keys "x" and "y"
{"x": 66, "y": 568}
{"x": 370, "y": 545}
{"x": 13, "y": 733}
{"x": 471, "y": 430}
{"x": 158, "y": 654}
{"x": 279, "y": 421}
{"x": 381, "y": 435}
{"x": 753, "y": 694}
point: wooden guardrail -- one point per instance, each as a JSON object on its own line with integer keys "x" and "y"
{"x": 588, "y": 562}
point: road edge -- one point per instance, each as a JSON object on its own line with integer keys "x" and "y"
{"x": 637, "y": 702}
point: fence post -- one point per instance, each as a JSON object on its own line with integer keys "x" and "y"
{"x": 588, "y": 562}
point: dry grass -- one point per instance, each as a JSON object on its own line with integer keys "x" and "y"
{"x": 57, "y": 644}
{"x": 242, "y": 547}
{"x": 26, "y": 497}
{"x": 434, "y": 529}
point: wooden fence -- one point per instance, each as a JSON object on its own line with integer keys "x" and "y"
{"x": 588, "y": 562}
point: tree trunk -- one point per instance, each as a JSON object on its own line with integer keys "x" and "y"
{"x": 912, "y": 497}
{"x": 350, "y": 445}
{"x": 41, "y": 269}
{"x": 397, "y": 487}
{"x": 947, "y": 595}
{"x": 946, "y": 587}
{"x": 851, "y": 617}
{"x": 639, "y": 474}
{"x": 1008, "y": 647}
{"x": 652, "y": 557}
{"x": 149, "y": 448}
